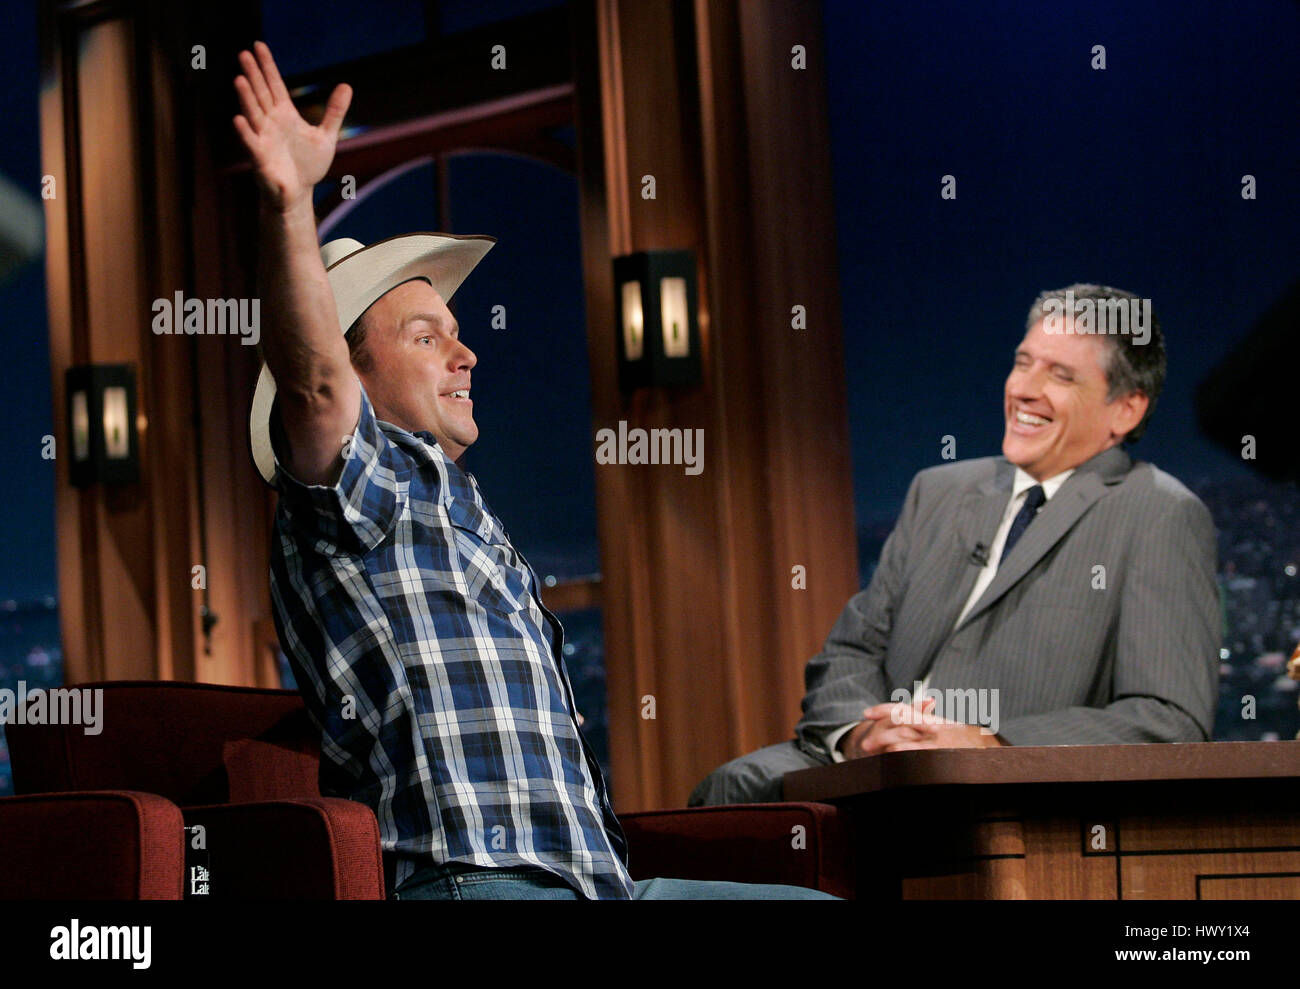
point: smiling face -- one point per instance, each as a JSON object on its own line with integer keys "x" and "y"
{"x": 417, "y": 371}
{"x": 1055, "y": 403}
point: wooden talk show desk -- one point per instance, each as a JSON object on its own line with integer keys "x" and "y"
{"x": 1211, "y": 820}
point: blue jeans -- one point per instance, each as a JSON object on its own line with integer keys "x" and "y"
{"x": 468, "y": 882}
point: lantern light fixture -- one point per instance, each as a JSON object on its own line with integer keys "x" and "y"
{"x": 102, "y": 433}
{"x": 657, "y": 317}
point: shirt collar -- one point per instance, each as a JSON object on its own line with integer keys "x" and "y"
{"x": 1023, "y": 482}
{"x": 423, "y": 435}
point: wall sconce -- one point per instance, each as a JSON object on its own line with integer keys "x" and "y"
{"x": 657, "y": 314}
{"x": 101, "y": 424}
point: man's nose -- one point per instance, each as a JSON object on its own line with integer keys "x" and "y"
{"x": 1025, "y": 383}
{"x": 462, "y": 358}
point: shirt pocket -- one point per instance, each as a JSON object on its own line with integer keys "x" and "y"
{"x": 485, "y": 554}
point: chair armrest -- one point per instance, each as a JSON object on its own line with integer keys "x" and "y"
{"x": 795, "y": 844}
{"x": 312, "y": 848}
{"x": 91, "y": 845}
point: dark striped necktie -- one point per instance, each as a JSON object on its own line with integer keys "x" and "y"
{"x": 1034, "y": 499}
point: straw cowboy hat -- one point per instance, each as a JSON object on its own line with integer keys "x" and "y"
{"x": 359, "y": 275}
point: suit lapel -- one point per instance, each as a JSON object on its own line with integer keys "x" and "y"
{"x": 1056, "y": 518}
{"x": 977, "y": 518}
{"x": 978, "y": 524}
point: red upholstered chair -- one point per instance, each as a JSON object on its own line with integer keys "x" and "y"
{"x": 105, "y": 845}
{"x": 792, "y": 844}
{"x": 241, "y": 762}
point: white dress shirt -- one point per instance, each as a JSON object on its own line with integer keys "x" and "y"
{"x": 1019, "y": 486}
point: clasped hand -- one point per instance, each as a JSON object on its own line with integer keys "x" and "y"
{"x": 899, "y": 727}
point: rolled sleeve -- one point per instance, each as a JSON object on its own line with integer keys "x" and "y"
{"x": 357, "y": 513}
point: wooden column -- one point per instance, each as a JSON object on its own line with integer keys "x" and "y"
{"x": 108, "y": 586}
{"x": 701, "y": 614}
{"x": 121, "y": 134}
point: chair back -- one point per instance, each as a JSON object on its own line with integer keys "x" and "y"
{"x": 193, "y": 743}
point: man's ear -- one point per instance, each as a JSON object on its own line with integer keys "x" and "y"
{"x": 1127, "y": 412}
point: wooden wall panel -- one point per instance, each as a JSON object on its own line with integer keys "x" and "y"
{"x": 1227, "y": 876}
{"x": 996, "y": 869}
{"x": 172, "y": 448}
{"x": 78, "y": 635}
{"x": 793, "y": 261}
{"x": 1058, "y": 866}
{"x": 1239, "y": 855}
{"x": 124, "y": 133}
{"x": 111, "y": 222}
{"x": 699, "y": 607}
{"x": 1275, "y": 887}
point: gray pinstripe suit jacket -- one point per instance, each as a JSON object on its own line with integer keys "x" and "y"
{"x": 1073, "y": 663}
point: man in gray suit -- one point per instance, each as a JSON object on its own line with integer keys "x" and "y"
{"x": 1063, "y": 592}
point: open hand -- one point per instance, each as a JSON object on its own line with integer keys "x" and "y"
{"x": 289, "y": 154}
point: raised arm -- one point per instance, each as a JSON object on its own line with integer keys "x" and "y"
{"x": 318, "y": 395}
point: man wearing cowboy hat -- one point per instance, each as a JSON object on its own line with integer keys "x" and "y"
{"x": 415, "y": 629}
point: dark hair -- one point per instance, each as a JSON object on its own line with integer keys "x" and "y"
{"x": 356, "y": 338}
{"x": 1134, "y": 365}
{"x": 356, "y": 334}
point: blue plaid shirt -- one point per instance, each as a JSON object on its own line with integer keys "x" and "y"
{"x": 424, "y": 654}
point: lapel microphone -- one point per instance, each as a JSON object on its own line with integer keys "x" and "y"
{"x": 979, "y": 556}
